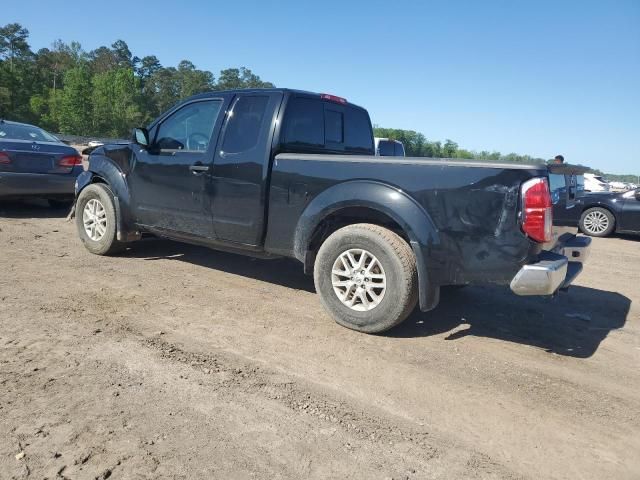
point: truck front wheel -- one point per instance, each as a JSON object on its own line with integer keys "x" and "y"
{"x": 96, "y": 220}
{"x": 366, "y": 277}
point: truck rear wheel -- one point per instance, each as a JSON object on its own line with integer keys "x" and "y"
{"x": 366, "y": 277}
{"x": 96, "y": 220}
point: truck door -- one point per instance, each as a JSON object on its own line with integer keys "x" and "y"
{"x": 169, "y": 179}
{"x": 239, "y": 181}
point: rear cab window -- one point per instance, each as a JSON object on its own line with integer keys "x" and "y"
{"x": 314, "y": 125}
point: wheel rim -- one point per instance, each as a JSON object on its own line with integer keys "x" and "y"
{"x": 596, "y": 222}
{"x": 94, "y": 218}
{"x": 358, "y": 280}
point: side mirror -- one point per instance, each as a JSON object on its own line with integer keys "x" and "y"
{"x": 637, "y": 194}
{"x": 141, "y": 137}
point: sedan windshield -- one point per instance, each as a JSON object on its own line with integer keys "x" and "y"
{"x": 11, "y": 131}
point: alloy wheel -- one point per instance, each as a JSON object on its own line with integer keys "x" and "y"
{"x": 94, "y": 218}
{"x": 358, "y": 280}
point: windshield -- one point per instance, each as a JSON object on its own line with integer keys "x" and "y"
{"x": 599, "y": 179}
{"x": 386, "y": 148}
{"x": 10, "y": 131}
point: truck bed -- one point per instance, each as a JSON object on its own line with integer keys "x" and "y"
{"x": 470, "y": 225}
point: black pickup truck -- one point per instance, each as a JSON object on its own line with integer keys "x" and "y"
{"x": 281, "y": 172}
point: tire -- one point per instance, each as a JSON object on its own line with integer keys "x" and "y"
{"x": 597, "y": 222}
{"x": 101, "y": 203}
{"x": 395, "y": 264}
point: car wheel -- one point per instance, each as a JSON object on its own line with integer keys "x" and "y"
{"x": 96, "y": 220}
{"x": 597, "y": 222}
{"x": 366, "y": 277}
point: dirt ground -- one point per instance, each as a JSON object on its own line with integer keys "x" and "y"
{"x": 173, "y": 361}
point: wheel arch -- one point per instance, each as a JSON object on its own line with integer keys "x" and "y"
{"x": 363, "y": 201}
{"x": 103, "y": 170}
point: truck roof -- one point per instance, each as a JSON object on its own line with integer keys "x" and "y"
{"x": 212, "y": 93}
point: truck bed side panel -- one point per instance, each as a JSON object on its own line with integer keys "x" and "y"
{"x": 474, "y": 208}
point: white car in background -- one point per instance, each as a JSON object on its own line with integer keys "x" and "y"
{"x": 619, "y": 186}
{"x": 386, "y": 147}
{"x": 595, "y": 183}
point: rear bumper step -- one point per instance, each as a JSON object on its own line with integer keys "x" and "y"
{"x": 577, "y": 249}
{"x": 552, "y": 271}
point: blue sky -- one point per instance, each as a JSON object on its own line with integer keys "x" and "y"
{"x": 541, "y": 77}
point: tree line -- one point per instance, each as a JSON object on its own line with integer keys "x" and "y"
{"x": 417, "y": 145}
{"x": 103, "y": 92}
{"x": 107, "y": 91}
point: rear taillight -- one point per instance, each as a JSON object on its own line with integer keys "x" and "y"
{"x": 70, "y": 160}
{"x": 4, "y": 158}
{"x": 537, "y": 211}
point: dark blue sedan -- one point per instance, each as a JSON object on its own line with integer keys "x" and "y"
{"x": 602, "y": 213}
{"x": 34, "y": 163}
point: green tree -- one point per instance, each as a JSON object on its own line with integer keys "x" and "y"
{"x": 147, "y": 67}
{"x": 13, "y": 43}
{"x": 122, "y": 54}
{"x": 161, "y": 90}
{"x": 18, "y": 77}
{"x": 126, "y": 113}
{"x": 102, "y": 95}
{"x": 449, "y": 149}
{"x": 102, "y": 59}
{"x": 234, "y": 78}
{"x": 115, "y": 103}
{"x": 75, "y": 105}
{"x": 191, "y": 80}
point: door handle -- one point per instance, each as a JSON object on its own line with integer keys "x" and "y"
{"x": 198, "y": 168}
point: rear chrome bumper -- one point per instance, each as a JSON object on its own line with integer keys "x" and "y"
{"x": 554, "y": 270}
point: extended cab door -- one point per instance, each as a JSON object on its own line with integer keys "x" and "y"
{"x": 169, "y": 180}
{"x": 241, "y": 168}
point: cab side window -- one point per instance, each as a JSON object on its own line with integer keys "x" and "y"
{"x": 244, "y": 124}
{"x": 304, "y": 125}
{"x": 318, "y": 126}
{"x": 188, "y": 129}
